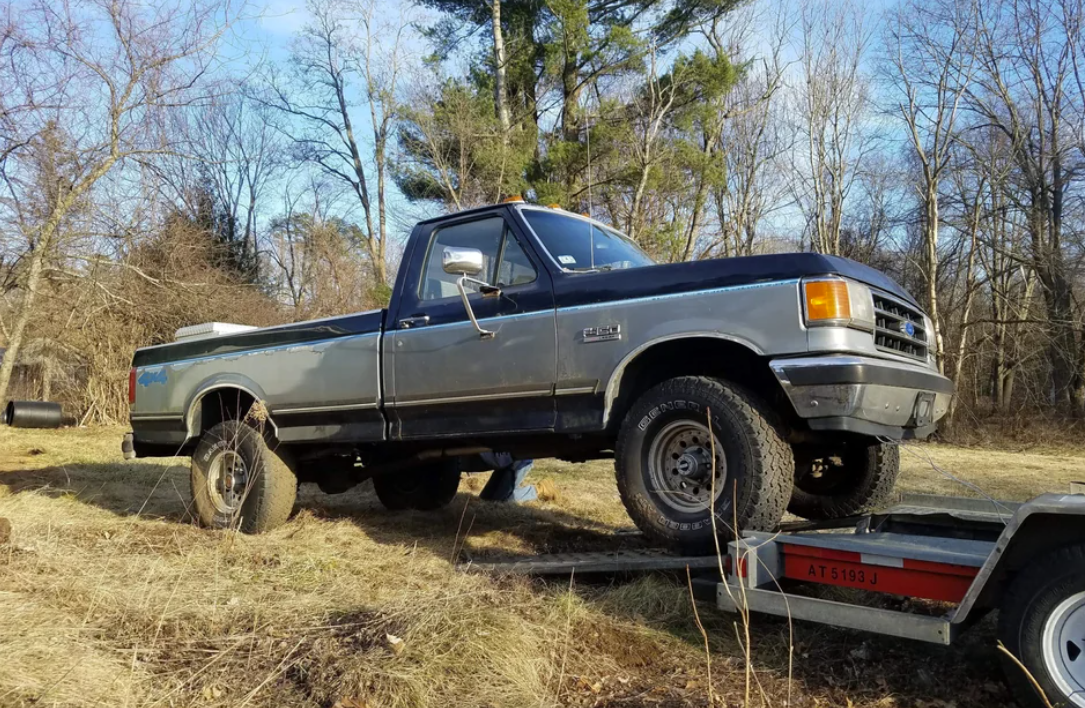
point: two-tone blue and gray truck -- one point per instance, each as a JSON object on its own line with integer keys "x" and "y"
{"x": 748, "y": 386}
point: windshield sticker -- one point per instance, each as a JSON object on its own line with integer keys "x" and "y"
{"x": 566, "y": 260}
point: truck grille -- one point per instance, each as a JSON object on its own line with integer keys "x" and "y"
{"x": 891, "y": 333}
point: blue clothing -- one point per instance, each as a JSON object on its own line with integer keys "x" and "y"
{"x": 508, "y": 474}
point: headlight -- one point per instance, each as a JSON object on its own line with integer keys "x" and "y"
{"x": 839, "y": 303}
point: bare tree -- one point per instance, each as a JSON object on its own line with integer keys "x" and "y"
{"x": 316, "y": 266}
{"x": 751, "y": 139}
{"x": 241, "y": 150}
{"x": 969, "y": 184}
{"x": 651, "y": 109}
{"x": 346, "y": 48}
{"x": 932, "y": 66}
{"x": 1025, "y": 88}
{"x": 92, "y": 83}
{"x": 831, "y": 102}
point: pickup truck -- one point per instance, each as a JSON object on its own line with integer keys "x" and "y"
{"x": 742, "y": 387}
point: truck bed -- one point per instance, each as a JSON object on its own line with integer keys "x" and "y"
{"x": 319, "y": 379}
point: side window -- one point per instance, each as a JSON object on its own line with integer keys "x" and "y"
{"x": 484, "y": 234}
{"x": 516, "y": 268}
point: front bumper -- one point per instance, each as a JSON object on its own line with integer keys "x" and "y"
{"x": 865, "y": 395}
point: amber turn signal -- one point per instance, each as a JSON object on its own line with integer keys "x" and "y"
{"x": 827, "y": 300}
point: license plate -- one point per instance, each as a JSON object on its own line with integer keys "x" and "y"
{"x": 835, "y": 573}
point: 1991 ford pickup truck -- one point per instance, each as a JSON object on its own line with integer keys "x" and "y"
{"x": 774, "y": 382}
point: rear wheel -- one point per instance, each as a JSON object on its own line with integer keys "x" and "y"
{"x": 239, "y": 482}
{"x": 674, "y": 466}
{"x": 859, "y": 477}
{"x": 424, "y": 488}
{"x": 1042, "y": 624}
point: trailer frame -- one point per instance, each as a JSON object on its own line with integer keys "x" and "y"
{"x": 958, "y": 550}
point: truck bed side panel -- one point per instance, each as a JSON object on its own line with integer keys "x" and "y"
{"x": 325, "y": 388}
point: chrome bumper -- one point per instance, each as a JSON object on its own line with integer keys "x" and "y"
{"x": 865, "y": 395}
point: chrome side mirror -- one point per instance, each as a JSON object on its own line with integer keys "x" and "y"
{"x": 466, "y": 262}
{"x": 461, "y": 261}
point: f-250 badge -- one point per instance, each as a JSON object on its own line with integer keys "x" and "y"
{"x": 604, "y": 333}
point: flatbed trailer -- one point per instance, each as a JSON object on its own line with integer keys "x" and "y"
{"x": 967, "y": 556}
{"x": 1026, "y": 560}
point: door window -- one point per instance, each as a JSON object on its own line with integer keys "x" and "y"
{"x": 494, "y": 240}
{"x": 516, "y": 268}
{"x": 484, "y": 234}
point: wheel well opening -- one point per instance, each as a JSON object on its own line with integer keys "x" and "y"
{"x": 697, "y": 356}
{"x": 223, "y": 404}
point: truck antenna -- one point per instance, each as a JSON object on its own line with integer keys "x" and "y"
{"x": 591, "y": 227}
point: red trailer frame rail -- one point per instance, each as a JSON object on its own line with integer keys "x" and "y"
{"x": 899, "y": 576}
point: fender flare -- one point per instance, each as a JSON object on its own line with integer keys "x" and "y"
{"x": 218, "y": 383}
{"x": 614, "y": 383}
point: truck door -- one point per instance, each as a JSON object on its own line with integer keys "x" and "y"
{"x": 442, "y": 377}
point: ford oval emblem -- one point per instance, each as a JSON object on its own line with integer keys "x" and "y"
{"x": 908, "y": 328}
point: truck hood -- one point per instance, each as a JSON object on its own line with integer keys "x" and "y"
{"x": 694, "y": 276}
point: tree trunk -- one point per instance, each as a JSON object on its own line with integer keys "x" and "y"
{"x": 47, "y": 378}
{"x": 372, "y": 238}
{"x": 33, "y": 280}
{"x": 501, "y": 102}
{"x": 638, "y": 197}
{"x": 932, "y": 271}
{"x": 1058, "y": 298}
{"x": 570, "y": 107}
{"x": 382, "y": 213}
{"x": 969, "y": 292}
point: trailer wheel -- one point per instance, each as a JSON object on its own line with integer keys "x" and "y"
{"x": 1042, "y": 623}
{"x": 860, "y": 478}
{"x": 424, "y": 488}
{"x": 239, "y": 482}
{"x": 664, "y": 455}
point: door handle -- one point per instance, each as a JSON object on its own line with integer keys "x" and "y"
{"x": 416, "y": 321}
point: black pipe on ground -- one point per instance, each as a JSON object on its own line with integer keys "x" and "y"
{"x": 33, "y": 414}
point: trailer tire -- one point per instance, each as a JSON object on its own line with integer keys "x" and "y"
{"x": 663, "y": 463}
{"x": 1041, "y": 623}
{"x": 863, "y": 482}
{"x": 239, "y": 482}
{"x": 426, "y": 488}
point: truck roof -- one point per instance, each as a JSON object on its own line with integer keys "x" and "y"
{"x": 473, "y": 210}
{"x": 515, "y": 205}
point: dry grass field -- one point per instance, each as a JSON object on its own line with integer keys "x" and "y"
{"x": 110, "y": 596}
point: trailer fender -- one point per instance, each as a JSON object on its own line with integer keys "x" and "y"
{"x": 1041, "y": 525}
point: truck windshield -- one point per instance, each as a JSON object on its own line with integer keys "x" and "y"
{"x": 571, "y": 242}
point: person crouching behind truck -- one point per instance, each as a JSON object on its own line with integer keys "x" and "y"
{"x": 508, "y": 474}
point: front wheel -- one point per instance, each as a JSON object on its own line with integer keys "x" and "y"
{"x": 674, "y": 465}
{"x": 857, "y": 477}
{"x": 239, "y": 482}
{"x": 1042, "y": 624}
